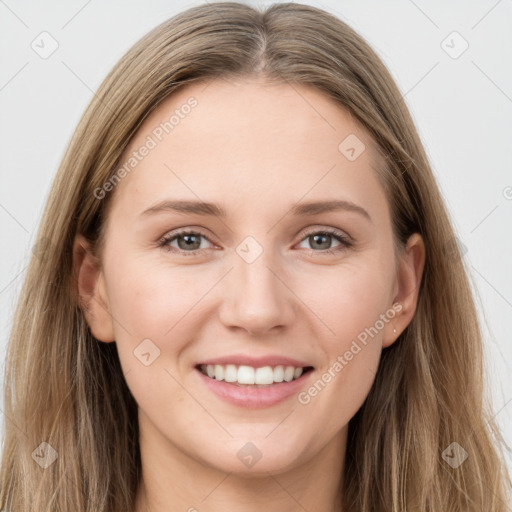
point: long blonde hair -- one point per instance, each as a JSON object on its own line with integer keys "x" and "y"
{"x": 64, "y": 388}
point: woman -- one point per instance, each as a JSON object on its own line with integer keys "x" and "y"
{"x": 181, "y": 343}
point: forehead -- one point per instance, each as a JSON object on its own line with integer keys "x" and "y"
{"x": 250, "y": 139}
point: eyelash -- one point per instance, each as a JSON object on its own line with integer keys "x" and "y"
{"x": 345, "y": 242}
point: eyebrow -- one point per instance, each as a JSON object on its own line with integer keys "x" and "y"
{"x": 215, "y": 210}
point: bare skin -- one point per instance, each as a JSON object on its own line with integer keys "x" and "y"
{"x": 256, "y": 150}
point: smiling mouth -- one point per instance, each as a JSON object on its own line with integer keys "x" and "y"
{"x": 247, "y": 376}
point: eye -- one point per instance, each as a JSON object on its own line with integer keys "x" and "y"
{"x": 322, "y": 240}
{"x": 189, "y": 242}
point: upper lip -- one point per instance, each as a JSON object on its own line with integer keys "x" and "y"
{"x": 256, "y": 362}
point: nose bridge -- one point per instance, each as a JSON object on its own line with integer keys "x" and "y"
{"x": 256, "y": 300}
{"x": 255, "y": 277}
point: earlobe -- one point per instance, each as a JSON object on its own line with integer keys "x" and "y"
{"x": 410, "y": 273}
{"x": 90, "y": 290}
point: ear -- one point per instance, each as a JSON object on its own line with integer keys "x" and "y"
{"x": 91, "y": 290}
{"x": 410, "y": 271}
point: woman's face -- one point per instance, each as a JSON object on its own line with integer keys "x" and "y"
{"x": 270, "y": 278}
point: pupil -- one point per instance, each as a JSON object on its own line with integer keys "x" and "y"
{"x": 326, "y": 244}
{"x": 188, "y": 241}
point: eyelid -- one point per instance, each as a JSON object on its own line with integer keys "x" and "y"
{"x": 346, "y": 241}
{"x": 329, "y": 230}
{"x": 164, "y": 241}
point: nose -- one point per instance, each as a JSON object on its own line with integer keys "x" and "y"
{"x": 257, "y": 298}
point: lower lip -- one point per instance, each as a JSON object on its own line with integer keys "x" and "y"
{"x": 255, "y": 398}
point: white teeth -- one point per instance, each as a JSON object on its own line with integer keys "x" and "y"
{"x": 245, "y": 375}
{"x": 219, "y": 372}
{"x": 265, "y": 375}
{"x": 231, "y": 373}
{"x": 278, "y": 374}
{"x": 288, "y": 373}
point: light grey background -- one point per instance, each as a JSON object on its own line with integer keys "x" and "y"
{"x": 462, "y": 106}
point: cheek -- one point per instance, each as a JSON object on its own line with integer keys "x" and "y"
{"x": 353, "y": 305}
{"x": 154, "y": 307}
{"x": 350, "y": 300}
{"x": 150, "y": 298}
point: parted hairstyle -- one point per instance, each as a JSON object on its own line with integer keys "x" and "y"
{"x": 65, "y": 388}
